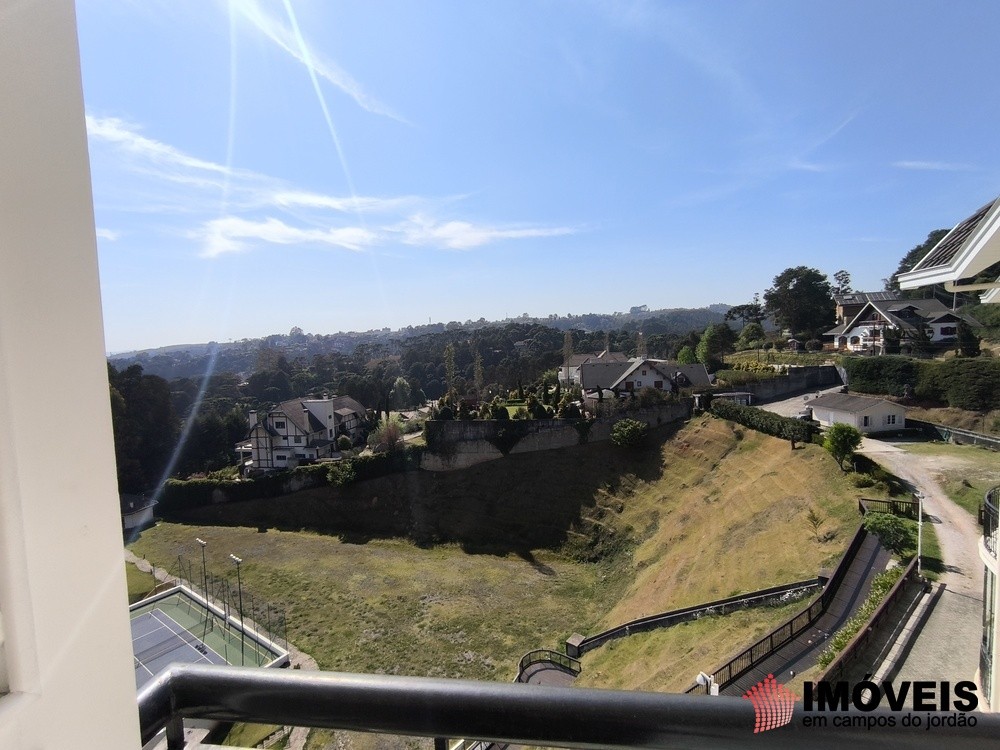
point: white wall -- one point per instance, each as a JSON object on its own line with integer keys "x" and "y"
{"x": 62, "y": 579}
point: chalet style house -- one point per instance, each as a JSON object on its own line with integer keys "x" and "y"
{"x": 885, "y": 324}
{"x": 569, "y": 373}
{"x": 299, "y": 430}
{"x": 638, "y": 373}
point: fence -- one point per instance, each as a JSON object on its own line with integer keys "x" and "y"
{"x": 904, "y": 508}
{"x": 233, "y": 599}
{"x": 840, "y": 666}
{"x": 990, "y": 519}
{"x": 748, "y": 659}
{"x": 955, "y": 434}
{"x": 545, "y": 656}
{"x": 577, "y": 647}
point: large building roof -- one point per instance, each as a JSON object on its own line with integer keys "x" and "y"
{"x": 846, "y": 402}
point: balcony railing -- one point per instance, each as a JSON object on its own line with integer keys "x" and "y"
{"x": 991, "y": 520}
{"x": 513, "y": 713}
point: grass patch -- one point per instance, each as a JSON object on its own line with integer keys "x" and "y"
{"x": 668, "y": 660}
{"x": 139, "y": 583}
{"x": 249, "y": 735}
{"x": 966, "y": 471}
{"x": 988, "y": 423}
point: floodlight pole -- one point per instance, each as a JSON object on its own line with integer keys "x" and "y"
{"x": 920, "y": 528}
{"x": 204, "y": 568}
{"x": 239, "y": 586}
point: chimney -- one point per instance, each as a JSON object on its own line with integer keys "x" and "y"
{"x": 253, "y": 419}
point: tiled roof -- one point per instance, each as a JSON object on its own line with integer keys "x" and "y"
{"x": 859, "y": 298}
{"x": 945, "y": 251}
{"x": 846, "y": 402}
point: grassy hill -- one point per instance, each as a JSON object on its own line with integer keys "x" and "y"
{"x": 708, "y": 511}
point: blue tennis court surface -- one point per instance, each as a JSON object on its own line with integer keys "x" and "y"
{"x": 158, "y": 641}
{"x": 178, "y": 627}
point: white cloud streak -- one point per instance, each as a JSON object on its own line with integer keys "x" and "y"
{"x": 231, "y": 234}
{"x": 107, "y": 234}
{"x": 462, "y": 235}
{"x": 933, "y": 166}
{"x": 285, "y": 39}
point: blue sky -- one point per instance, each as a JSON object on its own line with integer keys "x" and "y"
{"x": 263, "y": 164}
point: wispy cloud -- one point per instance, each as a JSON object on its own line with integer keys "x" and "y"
{"x": 107, "y": 234}
{"x": 282, "y": 36}
{"x": 463, "y": 235}
{"x": 231, "y": 234}
{"x": 154, "y": 178}
{"x": 357, "y": 204}
{"x": 934, "y": 166}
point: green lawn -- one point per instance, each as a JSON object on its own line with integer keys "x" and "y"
{"x": 139, "y": 583}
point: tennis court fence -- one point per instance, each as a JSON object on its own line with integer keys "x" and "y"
{"x": 233, "y": 598}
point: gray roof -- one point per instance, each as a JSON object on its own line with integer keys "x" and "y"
{"x": 847, "y": 402}
{"x": 859, "y": 298}
{"x": 926, "y": 310}
{"x": 601, "y": 374}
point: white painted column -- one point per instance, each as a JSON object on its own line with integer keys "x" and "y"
{"x": 62, "y": 581}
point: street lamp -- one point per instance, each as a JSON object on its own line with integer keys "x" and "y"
{"x": 204, "y": 568}
{"x": 239, "y": 586}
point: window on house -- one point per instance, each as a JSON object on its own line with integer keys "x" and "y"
{"x": 298, "y": 439}
{"x": 281, "y": 457}
{"x": 866, "y": 421}
{"x": 279, "y": 425}
{"x": 658, "y": 384}
{"x": 331, "y": 433}
{"x": 949, "y": 330}
{"x": 890, "y": 419}
{"x": 643, "y": 372}
{"x": 638, "y": 384}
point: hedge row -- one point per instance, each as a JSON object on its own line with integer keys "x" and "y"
{"x": 192, "y": 493}
{"x": 964, "y": 383}
{"x": 763, "y": 421}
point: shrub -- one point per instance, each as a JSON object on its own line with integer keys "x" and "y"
{"x": 891, "y": 530}
{"x": 841, "y": 441}
{"x": 388, "y": 435}
{"x": 862, "y": 481}
{"x": 343, "y": 443}
{"x": 881, "y": 585}
{"x": 629, "y": 433}
{"x": 340, "y": 474}
{"x": 882, "y": 375}
{"x": 763, "y": 421}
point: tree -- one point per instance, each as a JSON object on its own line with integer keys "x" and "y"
{"x": 841, "y": 441}
{"x": 914, "y": 256}
{"x": 968, "y": 341}
{"x": 449, "y": 367}
{"x": 715, "y": 342}
{"x": 388, "y": 436}
{"x": 891, "y": 530}
{"x": 686, "y": 356}
{"x": 752, "y": 312}
{"x": 801, "y": 301}
{"x": 751, "y": 337}
{"x": 843, "y": 279}
{"x": 401, "y": 395}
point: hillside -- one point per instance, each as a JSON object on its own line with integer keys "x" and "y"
{"x": 708, "y": 512}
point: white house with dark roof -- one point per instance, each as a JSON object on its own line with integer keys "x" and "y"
{"x": 569, "y": 373}
{"x": 862, "y": 412}
{"x": 636, "y": 374}
{"x": 905, "y": 320}
{"x": 300, "y": 430}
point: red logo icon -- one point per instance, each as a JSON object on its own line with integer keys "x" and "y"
{"x": 772, "y": 704}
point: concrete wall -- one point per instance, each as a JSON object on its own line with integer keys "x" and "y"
{"x": 797, "y": 380}
{"x": 459, "y": 444}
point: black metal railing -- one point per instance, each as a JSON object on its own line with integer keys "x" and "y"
{"x": 991, "y": 519}
{"x": 902, "y": 508}
{"x": 759, "y": 598}
{"x": 545, "y": 656}
{"x": 508, "y": 712}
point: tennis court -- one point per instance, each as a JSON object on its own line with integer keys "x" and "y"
{"x": 177, "y": 627}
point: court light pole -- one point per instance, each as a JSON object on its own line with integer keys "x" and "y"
{"x": 239, "y": 586}
{"x": 920, "y": 528}
{"x": 204, "y": 568}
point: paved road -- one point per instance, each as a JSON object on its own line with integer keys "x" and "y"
{"x": 947, "y": 646}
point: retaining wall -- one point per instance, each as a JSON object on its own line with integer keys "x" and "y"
{"x": 798, "y": 379}
{"x": 459, "y": 444}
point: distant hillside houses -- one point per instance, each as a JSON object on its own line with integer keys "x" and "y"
{"x": 299, "y": 430}
{"x": 883, "y": 323}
